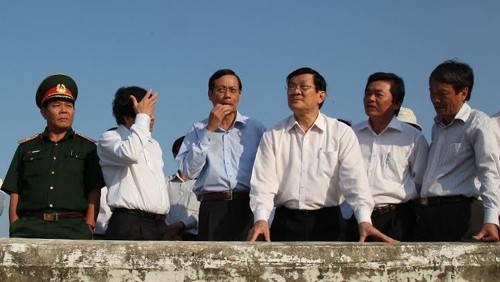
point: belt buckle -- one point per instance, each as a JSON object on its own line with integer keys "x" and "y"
{"x": 50, "y": 216}
{"x": 230, "y": 196}
{"x": 424, "y": 201}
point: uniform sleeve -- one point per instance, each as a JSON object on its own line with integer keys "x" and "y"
{"x": 10, "y": 184}
{"x": 92, "y": 172}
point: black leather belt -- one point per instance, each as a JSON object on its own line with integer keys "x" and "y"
{"x": 224, "y": 196}
{"x": 52, "y": 215}
{"x": 390, "y": 208}
{"x": 444, "y": 200}
{"x": 143, "y": 214}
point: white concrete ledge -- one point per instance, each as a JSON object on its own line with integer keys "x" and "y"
{"x": 66, "y": 260}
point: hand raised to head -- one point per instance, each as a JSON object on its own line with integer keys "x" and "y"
{"x": 147, "y": 104}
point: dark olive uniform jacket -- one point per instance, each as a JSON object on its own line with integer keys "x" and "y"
{"x": 53, "y": 176}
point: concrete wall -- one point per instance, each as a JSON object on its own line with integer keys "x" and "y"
{"x": 64, "y": 260}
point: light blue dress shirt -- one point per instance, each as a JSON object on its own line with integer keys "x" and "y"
{"x": 220, "y": 160}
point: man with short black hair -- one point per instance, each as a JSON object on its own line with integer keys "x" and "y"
{"x": 304, "y": 166}
{"x": 395, "y": 156}
{"x": 463, "y": 150}
{"x": 219, "y": 152}
{"x": 132, "y": 165}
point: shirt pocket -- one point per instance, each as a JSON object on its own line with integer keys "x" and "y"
{"x": 453, "y": 148}
{"x": 395, "y": 164}
{"x": 450, "y": 153}
{"x": 34, "y": 165}
{"x": 327, "y": 162}
{"x": 394, "y": 167}
{"x": 73, "y": 163}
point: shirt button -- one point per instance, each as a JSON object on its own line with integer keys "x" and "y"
{"x": 55, "y": 158}
{"x": 53, "y": 172}
{"x": 50, "y": 205}
{"x": 51, "y": 188}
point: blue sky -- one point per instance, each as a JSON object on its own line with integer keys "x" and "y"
{"x": 174, "y": 46}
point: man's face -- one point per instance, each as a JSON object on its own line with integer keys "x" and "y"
{"x": 378, "y": 100}
{"x": 59, "y": 115}
{"x": 303, "y": 95}
{"x": 446, "y": 101}
{"x": 226, "y": 91}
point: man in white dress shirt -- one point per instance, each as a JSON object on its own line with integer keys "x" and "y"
{"x": 303, "y": 166}
{"x": 395, "y": 156}
{"x": 182, "y": 220}
{"x": 132, "y": 166}
{"x": 463, "y": 150}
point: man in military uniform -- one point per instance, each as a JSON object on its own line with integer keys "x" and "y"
{"x": 54, "y": 179}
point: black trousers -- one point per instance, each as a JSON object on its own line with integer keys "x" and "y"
{"x": 301, "y": 225}
{"x": 398, "y": 224}
{"x": 224, "y": 220}
{"x": 129, "y": 226}
{"x": 449, "y": 222}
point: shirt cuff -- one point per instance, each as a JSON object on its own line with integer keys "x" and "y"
{"x": 261, "y": 215}
{"x": 491, "y": 216}
{"x": 142, "y": 119}
{"x": 363, "y": 214}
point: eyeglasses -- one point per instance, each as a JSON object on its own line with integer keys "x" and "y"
{"x": 302, "y": 88}
{"x": 223, "y": 90}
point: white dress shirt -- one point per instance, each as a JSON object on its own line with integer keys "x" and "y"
{"x": 395, "y": 161}
{"x": 309, "y": 170}
{"x": 460, "y": 152}
{"x": 183, "y": 203}
{"x": 132, "y": 166}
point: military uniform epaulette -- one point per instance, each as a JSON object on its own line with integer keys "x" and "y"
{"x": 85, "y": 137}
{"x": 28, "y": 139}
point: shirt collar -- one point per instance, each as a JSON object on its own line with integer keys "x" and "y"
{"x": 393, "y": 124}
{"x": 240, "y": 119}
{"x": 463, "y": 114}
{"x": 69, "y": 134}
{"x": 319, "y": 123}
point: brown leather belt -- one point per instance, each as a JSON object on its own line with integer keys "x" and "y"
{"x": 143, "y": 214}
{"x": 224, "y": 196}
{"x": 443, "y": 200}
{"x": 52, "y": 215}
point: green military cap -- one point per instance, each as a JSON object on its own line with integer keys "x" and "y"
{"x": 55, "y": 86}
